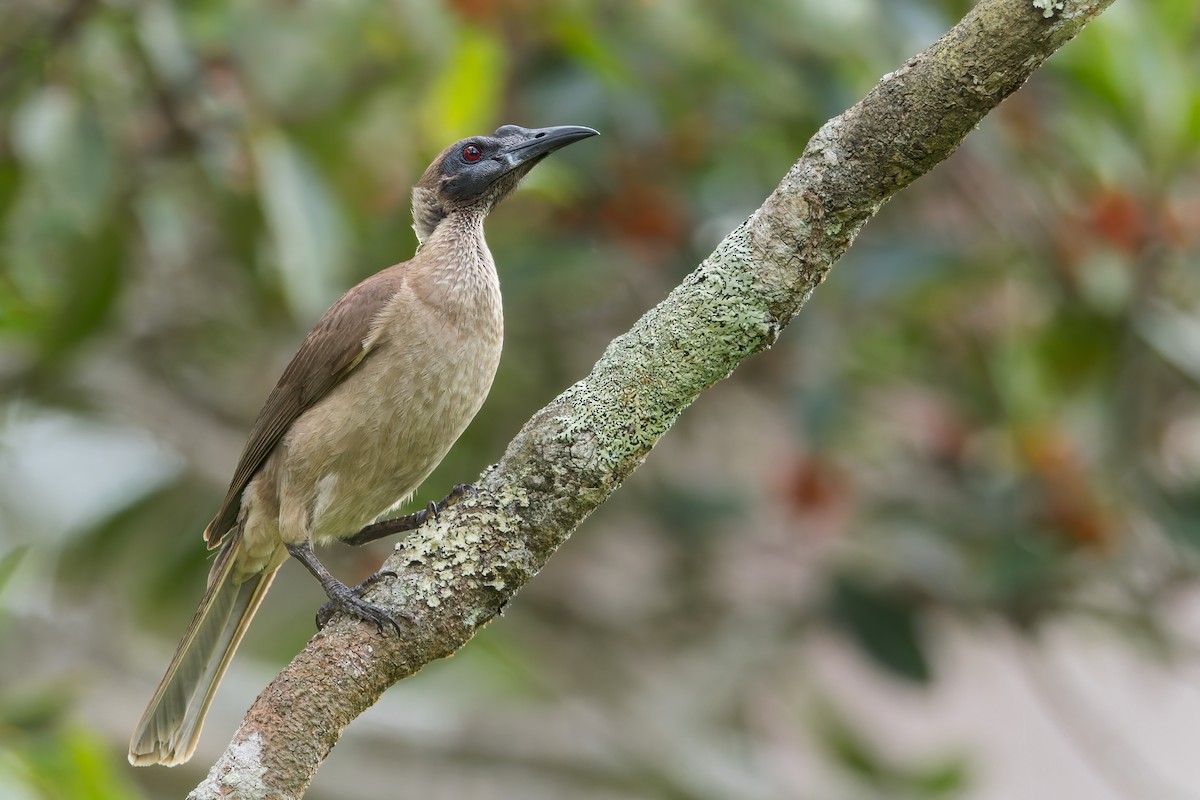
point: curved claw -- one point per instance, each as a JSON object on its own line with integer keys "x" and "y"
{"x": 350, "y": 601}
{"x": 460, "y": 491}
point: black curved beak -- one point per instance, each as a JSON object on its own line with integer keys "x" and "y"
{"x": 538, "y": 142}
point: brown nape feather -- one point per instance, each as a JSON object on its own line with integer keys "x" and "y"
{"x": 377, "y": 393}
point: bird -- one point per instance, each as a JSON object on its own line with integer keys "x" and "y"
{"x": 374, "y": 398}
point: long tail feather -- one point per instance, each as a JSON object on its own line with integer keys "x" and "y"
{"x": 170, "y": 726}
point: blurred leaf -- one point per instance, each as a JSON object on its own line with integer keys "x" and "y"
{"x": 60, "y": 141}
{"x": 91, "y": 294}
{"x": 166, "y": 46}
{"x": 75, "y": 765}
{"x": 9, "y": 563}
{"x": 1078, "y": 346}
{"x": 1024, "y": 574}
{"x": 36, "y": 709}
{"x": 169, "y": 520}
{"x": 812, "y": 484}
{"x": 58, "y": 219}
{"x": 689, "y": 512}
{"x": 462, "y": 99}
{"x": 947, "y": 779}
{"x": 849, "y": 748}
{"x": 1180, "y": 515}
{"x": 14, "y": 778}
{"x": 307, "y": 225}
{"x": 1175, "y": 336}
{"x": 885, "y": 626}
{"x": 578, "y": 38}
{"x": 852, "y": 749}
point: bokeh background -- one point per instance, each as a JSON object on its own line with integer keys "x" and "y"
{"x": 940, "y": 542}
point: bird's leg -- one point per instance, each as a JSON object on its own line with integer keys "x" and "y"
{"x": 341, "y": 596}
{"x": 409, "y": 522}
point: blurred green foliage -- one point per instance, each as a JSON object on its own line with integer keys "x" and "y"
{"x": 63, "y": 765}
{"x": 852, "y": 750}
{"x": 989, "y": 412}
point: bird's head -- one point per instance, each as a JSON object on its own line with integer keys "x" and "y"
{"x": 477, "y": 173}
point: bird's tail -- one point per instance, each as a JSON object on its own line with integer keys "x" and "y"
{"x": 170, "y": 726}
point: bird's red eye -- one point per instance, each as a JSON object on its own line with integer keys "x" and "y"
{"x": 471, "y": 154}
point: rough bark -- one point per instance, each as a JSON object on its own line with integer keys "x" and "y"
{"x": 456, "y": 573}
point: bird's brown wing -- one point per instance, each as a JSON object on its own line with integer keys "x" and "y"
{"x": 333, "y": 348}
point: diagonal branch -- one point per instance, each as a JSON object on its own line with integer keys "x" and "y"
{"x": 455, "y": 574}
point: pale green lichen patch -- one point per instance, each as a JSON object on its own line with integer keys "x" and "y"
{"x": 466, "y": 552}
{"x": 1048, "y": 7}
{"x": 477, "y": 617}
{"x": 648, "y": 376}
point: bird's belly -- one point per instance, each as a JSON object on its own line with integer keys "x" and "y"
{"x": 370, "y": 443}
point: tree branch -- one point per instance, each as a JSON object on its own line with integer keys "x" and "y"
{"x": 456, "y": 573}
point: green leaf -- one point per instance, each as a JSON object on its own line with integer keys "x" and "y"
{"x": 95, "y": 286}
{"x": 463, "y": 98}
{"x": 77, "y": 765}
{"x": 849, "y": 748}
{"x": 9, "y": 563}
{"x": 62, "y": 249}
{"x": 61, "y": 143}
{"x": 307, "y": 225}
{"x": 853, "y": 749}
{"x": 577, "y": 38}
{"x": 35, "y": 706}
{"x": 883, "y": 625}
{"x": 945, "y": 779}
{"x": 1175, "y": 336}
{"x": 1024, "y": 571}
{"x": 1179, "y": 514}
{"x": 168, "y": 519}
{"x": 689, "y": 513}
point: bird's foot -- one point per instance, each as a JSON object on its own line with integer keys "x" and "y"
{"x": 433, "y": 509}
{"x": 459, "y": 491}
{"x": 350, "y": 600}
{"x": 410, "y": 522}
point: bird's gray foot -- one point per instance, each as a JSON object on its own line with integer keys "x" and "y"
{"x": 349, "y": 600}
{"x": 412, "y": 521}
{"x": 459, "y": 491}
{"x": 341, "y": 596}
